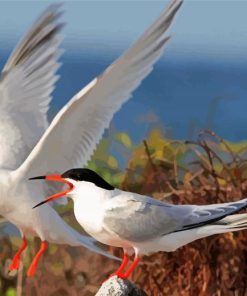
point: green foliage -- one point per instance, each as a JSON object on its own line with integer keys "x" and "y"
{"x": 11, "y": 292}
{"x": 124, "y": 139}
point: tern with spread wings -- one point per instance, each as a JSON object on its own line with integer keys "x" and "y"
{"x": 29, "y": 146}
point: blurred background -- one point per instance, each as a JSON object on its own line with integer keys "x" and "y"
{"x": 199, "y": 83}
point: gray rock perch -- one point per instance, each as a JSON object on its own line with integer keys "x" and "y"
{"x": 118, "y": 287}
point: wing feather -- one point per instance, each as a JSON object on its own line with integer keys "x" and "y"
{"x": 139, "y": 218}
{"x": 26, "y": 84}
{"x": 78, "y": 127}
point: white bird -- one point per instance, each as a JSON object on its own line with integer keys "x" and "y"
{"x": 26, "y": 83}
{"x": 140, "y": 223}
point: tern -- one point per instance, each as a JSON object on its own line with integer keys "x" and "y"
{"x": 140, "y": 223}
{"x": 29, "y": 146}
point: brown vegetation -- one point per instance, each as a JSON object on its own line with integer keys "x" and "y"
{"x": 207, "y": 171}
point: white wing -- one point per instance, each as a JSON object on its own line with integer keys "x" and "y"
{"x": 26, "y": 83}
{"x": 75, "y": 131}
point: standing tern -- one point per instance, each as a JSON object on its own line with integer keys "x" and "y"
{"x": 26, "y": 83}
{"x": 140, "y": 223}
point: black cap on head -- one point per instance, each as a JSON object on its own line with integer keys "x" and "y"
{"x": 88, "y": 176}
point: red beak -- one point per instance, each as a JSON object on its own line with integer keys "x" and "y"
{"x": 56, "y": 178}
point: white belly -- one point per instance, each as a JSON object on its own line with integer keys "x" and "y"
{"x": 18, "y": 207}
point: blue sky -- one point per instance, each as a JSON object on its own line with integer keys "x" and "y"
{"x": 210, "y": 29}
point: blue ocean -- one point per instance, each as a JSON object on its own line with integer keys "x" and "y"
{"x": 180, "y": 95}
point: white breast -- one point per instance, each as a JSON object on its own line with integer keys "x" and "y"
{"x": 89, "y": 205}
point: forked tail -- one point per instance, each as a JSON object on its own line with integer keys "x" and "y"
{"x": 233, "y": 222}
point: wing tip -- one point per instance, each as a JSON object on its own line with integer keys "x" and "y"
{"x": 50, "y": 15}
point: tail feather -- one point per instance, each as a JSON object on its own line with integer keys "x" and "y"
{"x": 234, "y": 222}
{"x": 175, "y": 240}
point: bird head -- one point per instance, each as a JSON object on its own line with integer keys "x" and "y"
{"x": 73, "y": 178}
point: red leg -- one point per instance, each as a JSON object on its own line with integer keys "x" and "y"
{"x": 34, "y": 264}
{"x": 131, "y": 268}
{"x": 125, "y": 261}
{"x": 16, "y": 260}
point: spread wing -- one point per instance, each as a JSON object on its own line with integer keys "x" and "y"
{"x": 75, "y": 131}
{"x": 137, "y": 218}
{"x": 26, "y": 84}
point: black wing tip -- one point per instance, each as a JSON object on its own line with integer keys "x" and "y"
{"x": 51, "y": 14}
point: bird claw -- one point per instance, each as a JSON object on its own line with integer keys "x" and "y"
{"x": 31, "y": 270}
{"x": 14, "y": 264}
{"x": 118, "y": 274}
{"x": 122, "y": 276}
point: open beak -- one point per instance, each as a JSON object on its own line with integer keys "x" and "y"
{"x": 56, "y": 178}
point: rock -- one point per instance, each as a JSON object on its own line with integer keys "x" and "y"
{"x": 119, "y": 287}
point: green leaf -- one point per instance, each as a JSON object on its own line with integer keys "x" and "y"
{"x": 11, "y": 292}
{"x": 112, "y": 162}
{"x": 124, "y": 139}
